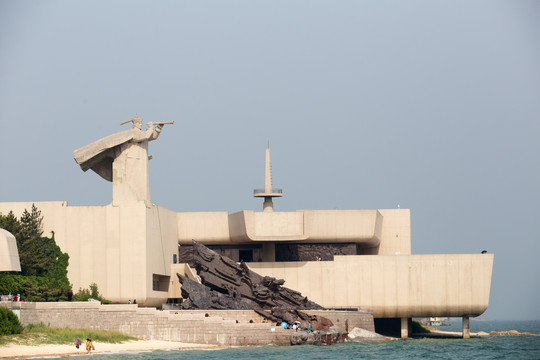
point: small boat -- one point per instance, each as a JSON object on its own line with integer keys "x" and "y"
{"x": 434, "y": 321}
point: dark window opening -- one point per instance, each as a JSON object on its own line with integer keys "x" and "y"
{"x": 160, "y": 282}
{"x": 313, "y": 252}
{"x": 245, "y": 255}
{"x": 251, "y": 253}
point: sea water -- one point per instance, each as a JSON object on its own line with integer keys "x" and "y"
{"x": 491, "y": 347}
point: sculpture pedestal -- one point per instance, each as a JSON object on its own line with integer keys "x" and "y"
{"x": 130, "y": 174}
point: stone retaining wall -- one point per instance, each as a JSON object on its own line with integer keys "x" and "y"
{"x": 363, "y": 318}
{"x": 217, "y": 327}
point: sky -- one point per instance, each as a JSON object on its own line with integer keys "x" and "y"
{"x": 432, "y": 106}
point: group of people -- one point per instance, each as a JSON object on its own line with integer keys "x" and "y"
{"x": 89, "y": 345}
{"x": 295, "y": 326}
{"x": 11, "y": 297}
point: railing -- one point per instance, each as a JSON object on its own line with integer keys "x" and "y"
{"x": 262, "y": 191}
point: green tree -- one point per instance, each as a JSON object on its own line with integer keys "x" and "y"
{"x": 35, "y": 252}
{"x": 32, "y": 223}
{"x": 9, "y": 322}
{"x": 11, "y": 224}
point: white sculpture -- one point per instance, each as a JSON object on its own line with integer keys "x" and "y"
{"x": 123, "y": 159}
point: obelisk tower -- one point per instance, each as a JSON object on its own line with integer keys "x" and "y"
{"x": 268, "y": 193}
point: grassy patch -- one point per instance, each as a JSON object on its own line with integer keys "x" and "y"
{"x": 41, "y": 334}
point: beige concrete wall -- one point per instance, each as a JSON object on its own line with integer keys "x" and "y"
{"x": 393, "y": 286}
{"x": 390, "y": 228}
{"x": 79, "y": 231}
{"x": 395, "y": 229}
{"x": 55, "y": 214}
{"x": 118, "y": 248}
{"x": 238, "y": 228}
{"x": 342, "y": 225}
{"x": 276, "y": 224}
{"x": 212, "y": 227}
{"x": 161, "y": 245}
{"x": 123, "y": 248}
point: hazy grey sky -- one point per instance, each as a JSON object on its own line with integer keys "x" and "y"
{"x": 432, "y": 105}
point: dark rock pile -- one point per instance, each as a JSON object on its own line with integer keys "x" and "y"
{"x": 332, "y": 335}
{"x": 228, "y": 285}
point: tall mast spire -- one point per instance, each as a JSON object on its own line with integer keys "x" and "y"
{"x": 268, "y": 193}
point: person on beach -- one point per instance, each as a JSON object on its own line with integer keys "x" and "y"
{"x": 89, "y": 346}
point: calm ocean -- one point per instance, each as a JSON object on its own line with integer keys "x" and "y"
{"x": 492, "y": 347}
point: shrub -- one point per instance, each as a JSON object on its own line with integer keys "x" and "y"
{"x": 9, "y": 322}
{"x": 93, "y": 293}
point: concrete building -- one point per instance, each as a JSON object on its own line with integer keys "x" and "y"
{"x": 132, "y": 248}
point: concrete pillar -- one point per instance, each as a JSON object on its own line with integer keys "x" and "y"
{"x": 466, "y": 328}
{"x": 268, "y": 205}
{"x": 404, "y": 328}
{"x": 269, "y": 251}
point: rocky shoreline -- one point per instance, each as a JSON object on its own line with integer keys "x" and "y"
{"x": 507, "y": 333}
{"x": 355, "y": 335}
{"x": 457, "y": 334}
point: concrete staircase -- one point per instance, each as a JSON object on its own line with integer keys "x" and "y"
{"x": 202, "y": 327}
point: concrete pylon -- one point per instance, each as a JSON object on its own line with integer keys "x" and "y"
{"x": 268, "y": 193}
{"x": 406, "y": 327}
{"x": 466, "y": 327}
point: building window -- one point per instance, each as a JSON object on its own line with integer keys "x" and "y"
{"x": 160, "y": 282}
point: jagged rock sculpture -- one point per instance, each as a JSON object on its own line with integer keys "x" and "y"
{"x": 226, "y": 284}
{"x": 198, "y": 296}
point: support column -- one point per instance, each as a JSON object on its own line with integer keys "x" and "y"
{"x": 404, "y": 328}
{"x": 466, "y": 328}
{"x": 269, "y": 252}
{"x": 268, "y": 205}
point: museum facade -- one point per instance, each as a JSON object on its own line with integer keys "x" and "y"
{"x": 340, "y": 259}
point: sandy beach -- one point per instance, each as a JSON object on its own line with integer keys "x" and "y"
{"x": 24, "y": 351}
